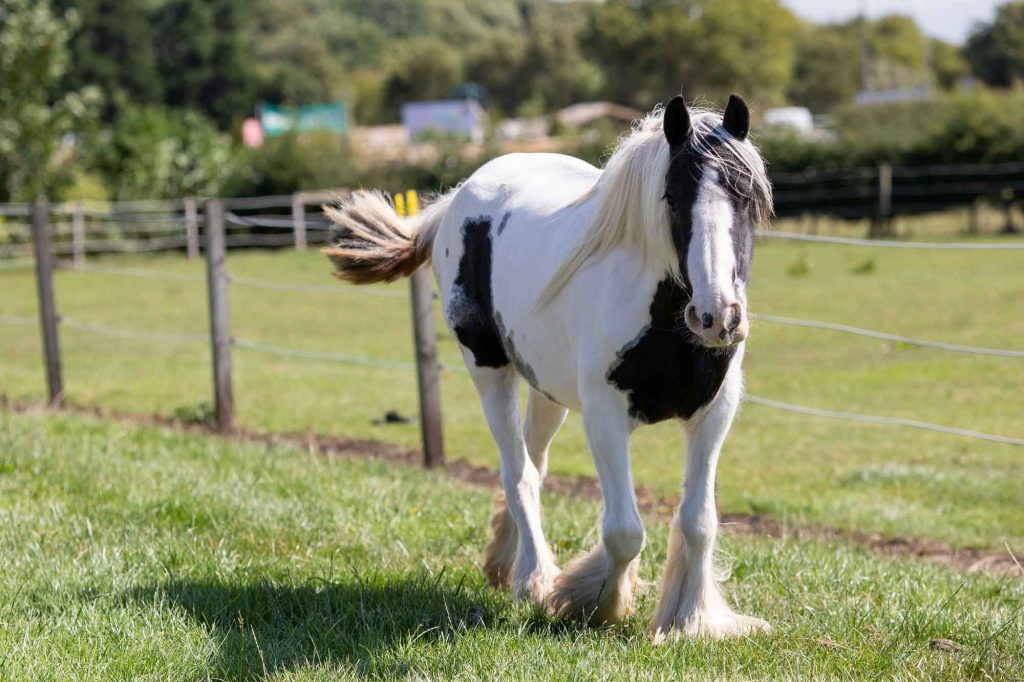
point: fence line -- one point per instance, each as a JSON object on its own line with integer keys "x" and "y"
{"x": 319, "y": 355}
{"x": 222, "y": 343}
{"x": 116, "y": 246}
{"x": 888, "y": 243}
{"x": 316, "y": 288}
{"x": 233, "y": 240}
{"x": 145, "y": 274}
{"x": 19, "y": 320}
{"x": 130, "y": 333}
{"x": 887, "y": 421}
{"x": 16, "y": 263}
{"x": 339, "y": 358}
{"x": 273, "y": 222}
{"x": 938, "y": 345}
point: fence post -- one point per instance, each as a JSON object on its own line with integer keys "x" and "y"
{"x": 1008, "y": 226}
{"x": 427, "y": 375}
{"x": 78, "y": 234}
{"x": 299, "y": 220}
{"x": 220, "y": 332}
{"x": 881, "y": 226}
{"x": 972, "y": 218}
{"x": 47, "y": 309}
{"x": 191, "y": 228}
{"x": 425, "y": 337}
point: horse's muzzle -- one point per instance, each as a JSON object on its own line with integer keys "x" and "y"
{"x": 726, "y": 326}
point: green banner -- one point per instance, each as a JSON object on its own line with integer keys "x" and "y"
{"x": 331, "y": 117}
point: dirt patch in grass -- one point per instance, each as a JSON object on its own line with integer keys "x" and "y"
{"x": 968, "y": 559}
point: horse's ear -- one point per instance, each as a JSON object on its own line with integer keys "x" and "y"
{"x": 737, "y": 118}
{"x": 676, "y": 122}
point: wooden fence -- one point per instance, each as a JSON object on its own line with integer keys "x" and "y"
{"x": 882, "y": 193}
{"x": 214, "y": 252}
{"x": 208, "y": 233}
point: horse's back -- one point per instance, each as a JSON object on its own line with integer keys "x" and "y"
{"x": 507, "y": 229}
{"x": 535, "y": 180}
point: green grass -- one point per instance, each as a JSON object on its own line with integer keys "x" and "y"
{"x": 131, "y": 552}
{"x": 798, "y": 469}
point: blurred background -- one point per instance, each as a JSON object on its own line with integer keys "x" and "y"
{"x": 147, "y": 99}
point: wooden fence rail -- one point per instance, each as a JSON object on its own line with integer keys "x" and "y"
{"x": 878, "y": 194}
{"x": 214, "y": 242}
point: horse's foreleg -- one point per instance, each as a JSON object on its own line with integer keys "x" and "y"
{"x": 543, "y": 419}
{"x": 599, "y": 585}
{"x": 534, "y": 566}
{"x": 690, "y": 602}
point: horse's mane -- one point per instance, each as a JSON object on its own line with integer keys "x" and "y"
{"x": 630, "y": 212}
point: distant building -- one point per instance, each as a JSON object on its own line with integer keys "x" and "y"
{"x": 461, "y": 119}
{"x": 796, "y": 118}
{"x": 586, "y": 113}
{"x": 893, "y": 95}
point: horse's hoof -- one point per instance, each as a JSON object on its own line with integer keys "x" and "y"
{"x": 536, "y": 586}
{"x": 724, "y": 625}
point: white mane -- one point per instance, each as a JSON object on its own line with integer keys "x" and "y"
{"x": 630, "y": 211}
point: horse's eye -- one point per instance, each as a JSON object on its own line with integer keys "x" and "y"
{"x": 670, "y": 200}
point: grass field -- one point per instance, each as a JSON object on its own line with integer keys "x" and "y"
{"x": 135, "y": 553}
{"x": 797, "y": 469}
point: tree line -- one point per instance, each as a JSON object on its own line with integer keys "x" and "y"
{"x": 154, "y": 90}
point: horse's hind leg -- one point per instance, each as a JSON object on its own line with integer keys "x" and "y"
{"x": 534, "y": 567}
{"x": 543, "y": 419}
{"x": 599, "y": 585}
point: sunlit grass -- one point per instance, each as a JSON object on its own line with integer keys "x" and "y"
{"x": 131, "y": 552}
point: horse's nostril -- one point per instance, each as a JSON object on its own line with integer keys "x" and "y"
{"x": 735, "y": 322}
{"x": 707, "y": 320}
{"x": 691, "y": 316}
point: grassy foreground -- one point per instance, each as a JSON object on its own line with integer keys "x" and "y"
{"x": 131, "y": 552}
{"x": 796, "y": 468}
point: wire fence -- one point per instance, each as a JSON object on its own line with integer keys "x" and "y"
{"x": 82, "y": 229}
{"x": 216, "y": 225}
{"x": 893, "y": 244}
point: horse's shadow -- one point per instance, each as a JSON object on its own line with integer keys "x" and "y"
{"x": 261, "y": 627}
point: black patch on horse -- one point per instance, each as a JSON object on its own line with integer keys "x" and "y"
{"x": 665, "y": 374}
{"x": 523, "y": 367}
{"x": 682, "y": 185}
{"x": 472, "y": 306}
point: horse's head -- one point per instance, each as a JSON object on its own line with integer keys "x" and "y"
{"x": 715, "y": 191}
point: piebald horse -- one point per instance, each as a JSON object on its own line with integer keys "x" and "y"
{"x": 620, "y": 292}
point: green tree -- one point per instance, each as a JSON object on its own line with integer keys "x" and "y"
{"x": 114, "y": 48}
{"x": 897, "y": 51}
{"x": 34, "y": 117}
{"x": 204, "y": 57}
{"x": 156, "y": 152}
{"x": 423, "y": 68}
{"x": 996, "y": 50}
{"x": 704, "y": 48}
{"x": 948, "y": 64}
{"x": 826, "y": 69}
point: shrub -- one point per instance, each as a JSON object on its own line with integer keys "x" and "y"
{"x": 154, "y": 152}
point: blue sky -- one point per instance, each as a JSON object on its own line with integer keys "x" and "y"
{"x": 950, "y": 20}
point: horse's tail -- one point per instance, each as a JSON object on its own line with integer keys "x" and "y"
{"x": 371, "y": 243}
